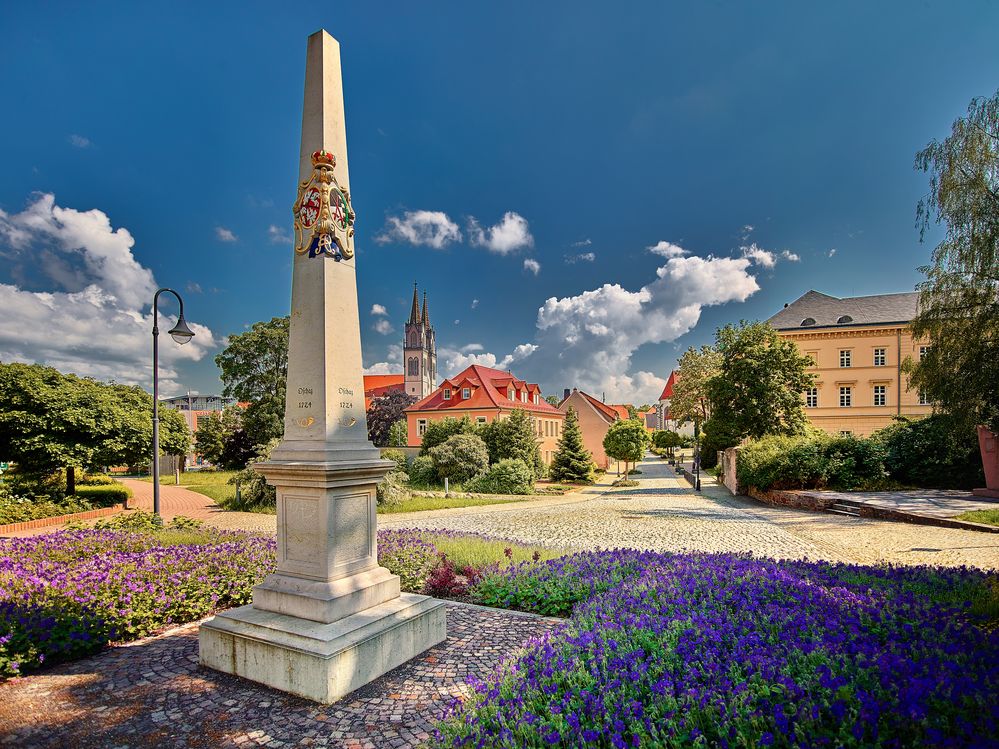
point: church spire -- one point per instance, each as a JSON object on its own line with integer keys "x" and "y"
{"x": 426, "y": 312}
{"x": 414, "y": 314}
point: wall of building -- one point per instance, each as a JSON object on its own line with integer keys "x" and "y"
{"x": 548, "y": 427}
{"x": 862, "y": 417}
{"x": 593, "y": 426}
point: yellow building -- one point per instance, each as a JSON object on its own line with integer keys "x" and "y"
{"x": 858, "y": 345}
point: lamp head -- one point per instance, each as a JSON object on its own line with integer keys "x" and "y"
{"x": 180, "y": 332}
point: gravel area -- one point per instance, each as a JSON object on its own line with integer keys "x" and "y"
{"x": 153, "y": 693}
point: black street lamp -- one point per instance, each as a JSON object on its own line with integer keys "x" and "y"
{"x": 181, "y": 334}
{"x": 697, "y": 455}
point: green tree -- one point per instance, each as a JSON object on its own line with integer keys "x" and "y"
{"x": 439, "y": 432}
{"x": 460, "y": 458}
{"x": 667, "y": 440}
{"x": 209, "y": 440}
{"x": 959, "y": 300}
{"x": 254, "y": 369}
{"x": 758, "y": 388}
{"x": 398, "y": 435}
{"x": 384, "y": 412}
{"x": 553, "y": 399}
{"x": 572, "y": 461}
{"x": 50, "y": 421}
{"x": 626, "y": 440}
{"x": 690, "y": 388}
{"x": 514, "y": 438}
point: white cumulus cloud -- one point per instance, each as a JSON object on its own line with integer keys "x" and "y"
{"x": 587, "y": 340}
{"x": 532, "y": 265}
{"x": 452, "y": 361}
{"x": 582, "y": 257}
{"x": 392, "y": 364}
{"x": 430, "y": 228}
{"x": 91, "y": 313}
{"x": 667, "y": 249}
{"x": 790, "y": 256}
{"x": 223, "y": 234}
{"x": 79, "y": 141}
{"x": 509, "y": 235}
{"x": 378, "y": 309}
{"x": 384, "y": 327}
{"x": 277, "y": 235}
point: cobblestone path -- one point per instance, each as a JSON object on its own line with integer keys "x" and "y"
{"x": 152, "y": 693}
{"x": 664, "y": 514}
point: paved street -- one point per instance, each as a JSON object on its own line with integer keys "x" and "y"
{"x": 663, "y": 513}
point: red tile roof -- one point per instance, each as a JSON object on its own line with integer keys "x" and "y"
{"x": 668, "y": 390}
{"x": 622, "y": 411}
{"x": 488, "y": 388}
{"x": 608, "y": 412}
{"x": 376, "y": 386}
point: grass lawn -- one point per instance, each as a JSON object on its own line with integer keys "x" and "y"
{"x": 987, "y": 517}
{"x": 214, "y": 484}
{"x": 417, "y": 504}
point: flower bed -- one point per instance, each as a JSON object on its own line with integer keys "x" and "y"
{"x": 728, "y": 650}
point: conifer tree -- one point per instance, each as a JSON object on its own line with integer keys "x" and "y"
{"x": 572, "y": 461}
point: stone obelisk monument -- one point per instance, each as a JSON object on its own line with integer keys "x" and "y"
{"x": 329, "y": 620}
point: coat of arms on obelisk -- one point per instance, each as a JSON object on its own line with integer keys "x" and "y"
{"x": 324, "y": 219}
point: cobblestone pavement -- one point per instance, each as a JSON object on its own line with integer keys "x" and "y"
{"x": 664, "y": 514}
{"x": 153, "y": 693}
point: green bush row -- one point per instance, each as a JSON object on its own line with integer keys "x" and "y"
{"x": 104, "y": 495}
{"x": 926, "y": 453}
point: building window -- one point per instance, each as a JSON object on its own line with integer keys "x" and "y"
{"x": 480, "y": 419}
{"x": 924, "y": 398}
{"x": 414, "y": 366}
{"x": 523, "y": 396}
{"x": 845, "y": 358}
{"x": 536, "y": 397}
{"x": 466, "y": 393}
{"x": 510, "y": 394}
{"x": 880, "y": 395}
{"x": 880, "y": 359}
{"x": 923, "y": 351}
{"x": 421, "y": 427}
{"x": 845, "y": 397}
{"x": 447, "y": 394}
{"x": 812, "y": 398}
{"x": 846, "y": 433}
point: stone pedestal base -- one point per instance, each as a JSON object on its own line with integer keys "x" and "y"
{"x": 986, "y": 493}
{"x": 321, "y": 662}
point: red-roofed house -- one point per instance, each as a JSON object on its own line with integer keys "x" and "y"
{"x": 484, "y": 394}
{"x": 664, "y": 419}
{"x": 375, "y": 386}
{"x": 595, "y": 419}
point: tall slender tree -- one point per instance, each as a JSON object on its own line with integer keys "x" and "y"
{"x": 572, "y": 461}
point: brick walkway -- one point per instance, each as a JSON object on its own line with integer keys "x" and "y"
{"x": 153, "y": 693}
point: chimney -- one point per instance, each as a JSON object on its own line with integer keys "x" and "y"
{"x": 565, "y": 393}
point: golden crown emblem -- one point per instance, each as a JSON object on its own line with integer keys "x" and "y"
{"x": 324, "y": 217}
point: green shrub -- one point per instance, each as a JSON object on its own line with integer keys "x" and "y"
{"x": 460, "y": 458}
{"x": 15, "y": 509}
{"x": 393, "y": 489}
{"x": 932, "y": 453}
{"x": 422, "y": 471}
{"x": 439, "y": 432}
{"x": 401, "y": 461}
{"x": 140, "y": 520}
{"x": 104, "y": 495}
{"x": 815, "y": 461}
{"x": 509, "y": 476}
{"x": 95, "y": 479}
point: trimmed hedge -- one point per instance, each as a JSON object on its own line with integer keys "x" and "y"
{"x": 815, "y": 461}
{"x": 509, "y": 476}
{"x": 104, "y": 495}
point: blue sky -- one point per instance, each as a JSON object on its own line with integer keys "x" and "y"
{"x": 601, "y": 130}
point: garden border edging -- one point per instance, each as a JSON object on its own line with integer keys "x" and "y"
{"x": 26, "y": 525}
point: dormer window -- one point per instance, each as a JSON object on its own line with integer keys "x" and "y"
{"x": 447, "y": 394}
{"x": 807, "y": 321}
{"x": 466, "y": 393}
{"x": 523, "y": 396}
{"x": 844, "y": 319}
{"x": 510, "y": 393}
{"x": 536, "y": 399}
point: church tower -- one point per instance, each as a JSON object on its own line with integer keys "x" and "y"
{"x": 420, "y": 350}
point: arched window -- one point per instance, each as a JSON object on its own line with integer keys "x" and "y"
{"x": 414, "y": 366}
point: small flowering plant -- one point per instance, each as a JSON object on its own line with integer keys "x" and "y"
{"x": 733, "y": 651}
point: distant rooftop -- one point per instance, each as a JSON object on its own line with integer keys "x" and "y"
{"x": 817, "y": 310}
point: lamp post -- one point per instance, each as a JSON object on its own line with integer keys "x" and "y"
{"x": 181, "y": 334}
{"x": 697, "y": 454}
